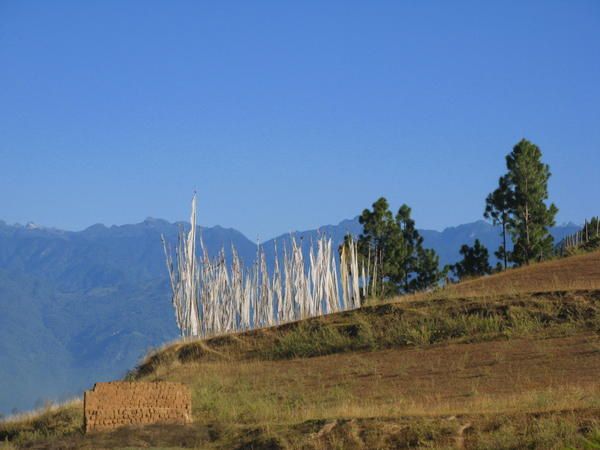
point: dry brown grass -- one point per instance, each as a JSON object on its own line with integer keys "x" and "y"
{"x": 394, "y": 325}
{"x": 49, "y": 409}
{"x": 580, "y": 272}
{"x": 488, "y": 377}
{"x": 505, "y": 362}
{"x": 554, "y": 430}
{"x": 506, "y": 394}
{"x": 44, "y": 424}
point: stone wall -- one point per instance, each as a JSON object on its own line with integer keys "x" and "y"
{"x": 111, "y": 405}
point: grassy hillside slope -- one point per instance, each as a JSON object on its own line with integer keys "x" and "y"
{"x": 506, "y": 368}
{"x": 79, "y": 307}
{"x": 578, "y": 272}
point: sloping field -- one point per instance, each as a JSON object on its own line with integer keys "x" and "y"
{"x": 496, "y": 394}
{"x": 509, "y": 375}
{"x": 514, "y": 370}
{"x": 581, "y": 272}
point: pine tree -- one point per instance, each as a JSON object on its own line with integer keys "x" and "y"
{"x": 475, "y": 261}
{"x": 428, "y": 274}
{"x": 393, "y": 252}
{"x": 530, "y": 217}
{"x": 411, "y": 241}
{"x": 498, "y": 206}
{"x": 380, "y": 244}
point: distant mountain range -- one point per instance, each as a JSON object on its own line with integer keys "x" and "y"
{"x": 80, "y": 307}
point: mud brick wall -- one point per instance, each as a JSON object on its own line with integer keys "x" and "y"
{"x": 118, "y": 403}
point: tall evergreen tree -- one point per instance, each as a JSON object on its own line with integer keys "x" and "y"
{"x": 380, "y": 244}
{"x": 393, "y": 252}
{"x": 411, "y": 241}
{"x": 530, "y": 217}
{"x": 498, "y": 206}
{"x": 428, "y": 273}
{"x": 475, "y": 261}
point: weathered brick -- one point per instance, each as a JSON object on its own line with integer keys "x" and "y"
{"x": 111, "y": 405}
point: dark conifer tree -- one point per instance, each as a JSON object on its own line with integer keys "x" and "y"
{"x": 379, "y": 244}
{"x": 428, "y": 273}
{"x": 530, "y": 217}
{"x": 411, "y": 242}
{"x": 475, "y": 261}
{"x": 394, "y": 246}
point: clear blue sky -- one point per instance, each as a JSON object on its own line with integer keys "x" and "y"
{"x": 288, "y": 115}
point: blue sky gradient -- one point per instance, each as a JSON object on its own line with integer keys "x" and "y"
{"x": 290, "y": 115}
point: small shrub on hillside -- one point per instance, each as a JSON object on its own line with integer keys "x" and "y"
{"x": 522, "y": 322}
{"x": 315, "y": 338}
{"x": 361, "y": 332}
{"x": 425, "y": 330}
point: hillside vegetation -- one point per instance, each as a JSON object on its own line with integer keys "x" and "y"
{"x": 506, "y": 361}
{"x": 79, "y": 307}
